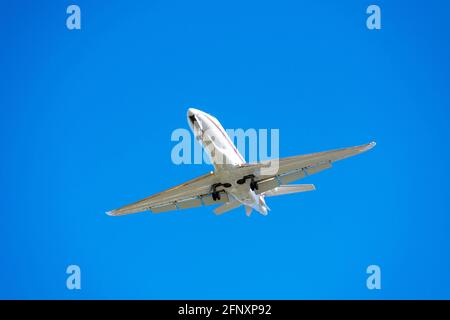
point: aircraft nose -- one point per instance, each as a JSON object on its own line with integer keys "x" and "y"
{"x": 192, "y": 112}
{"x": 191, "y": 116}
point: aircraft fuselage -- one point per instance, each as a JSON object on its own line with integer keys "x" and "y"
{"x": 225, "y": 158}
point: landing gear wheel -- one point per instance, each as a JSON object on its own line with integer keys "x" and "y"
{"x": 253, "y": 185}
{"x": 216, "y": 196}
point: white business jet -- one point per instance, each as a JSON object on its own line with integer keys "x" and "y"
{"x": 235, "y": 182}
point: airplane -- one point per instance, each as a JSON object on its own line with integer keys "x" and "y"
{"x": 235, "y": 183}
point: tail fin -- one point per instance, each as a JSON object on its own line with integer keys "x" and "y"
{"x": 287, "y": 189}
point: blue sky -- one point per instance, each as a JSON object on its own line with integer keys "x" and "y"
{"x": 85, "y": 126}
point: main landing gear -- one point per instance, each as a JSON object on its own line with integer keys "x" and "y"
{"x": 216, "y": 194}
{"x": 253, "y": 183}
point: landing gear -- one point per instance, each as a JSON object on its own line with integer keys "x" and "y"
{"x": 216, "y": 194}
{"x": 253, "y": 183}
{"x": 244, "y": 179}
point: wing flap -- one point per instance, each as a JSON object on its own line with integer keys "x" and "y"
{"x": 267, "y": 184}
{"x": 292, "y": 176}
{"x": 189, "y": 203}
{"x": 205, "y": 200}
{"x": 164, "y": 208}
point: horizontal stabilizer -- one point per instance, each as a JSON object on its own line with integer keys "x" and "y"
{"x": 287, "y": 189}
{"x": 227, "y": 207}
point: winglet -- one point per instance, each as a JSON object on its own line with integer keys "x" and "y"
{"x": 110, "y": 213}
{"x": 368, "y": 146}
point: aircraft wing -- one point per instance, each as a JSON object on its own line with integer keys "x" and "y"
{"x": 297, "y": 167}
{"x": 197, "y": 192}
{"x": 194, "y": 193}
